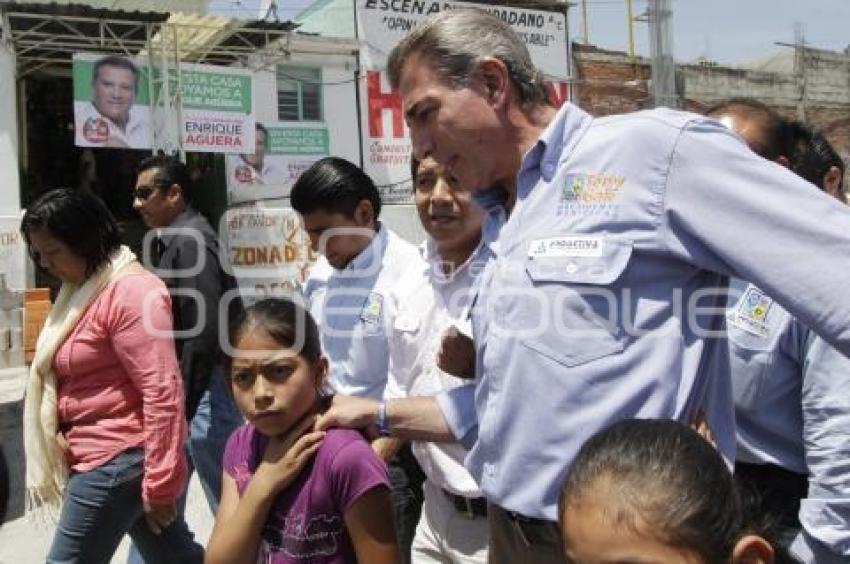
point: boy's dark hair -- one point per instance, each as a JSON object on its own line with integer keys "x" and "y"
{"x": 170, "y": 171}
{"x": 334, "y": 185}
{"x": 813, "y": 155}
{"x": 288, "y": 323}
{"x": 671, "y": 480}
{"x": 776, "y": 140}
{"x": 80, "y": 220}
{"x": 116, "y": 61}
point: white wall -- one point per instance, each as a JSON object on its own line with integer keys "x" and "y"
{"x": 339, "y": 106}
{"x": 10, "y": 190}
{"x": 338, "y": 101}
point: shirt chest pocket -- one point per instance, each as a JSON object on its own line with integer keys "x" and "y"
{"x": 407, "y": 327}
{"x": 575, "y": 304}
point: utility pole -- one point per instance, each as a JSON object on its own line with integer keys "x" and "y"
{"x": 630, "y": 21}
{"x": 661, "y": 50}
{"x": 800, "y": 64}
{"x": 584, "y": 22}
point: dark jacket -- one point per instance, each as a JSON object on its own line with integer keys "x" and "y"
{"x": 196, "y": 297}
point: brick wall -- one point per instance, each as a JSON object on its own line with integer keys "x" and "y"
{"x": 817, "y": 91}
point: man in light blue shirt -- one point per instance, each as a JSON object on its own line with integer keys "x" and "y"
{"x": 605, "y": 297}
{"x": 791, "y": 389}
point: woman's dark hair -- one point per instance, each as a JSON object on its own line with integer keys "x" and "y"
{"x": 334, "y": 185}
{"x": 667, "y": 477}
{"x": 80, "y": 220}
{"x": 288, "y": 323}
{"x": 169, "y": 171}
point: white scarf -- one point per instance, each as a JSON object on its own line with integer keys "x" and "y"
{"x": 47, "y": 469}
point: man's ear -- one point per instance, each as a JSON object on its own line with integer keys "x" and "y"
{"x": 495, "y": 80}
{"x": 175, "y": 194}
{"x": 752, "y": 549}
{"x": 832, "y": 182}
{"x": 364, "y": 214}
{"x": 784, "y": 161}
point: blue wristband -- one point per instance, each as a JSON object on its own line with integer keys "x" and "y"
{"x": 383, "y": 423}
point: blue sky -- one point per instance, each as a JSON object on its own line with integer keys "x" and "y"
{"x": 727, "y": 31}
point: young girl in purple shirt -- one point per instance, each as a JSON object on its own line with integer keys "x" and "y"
{"x": 290, "y": 494}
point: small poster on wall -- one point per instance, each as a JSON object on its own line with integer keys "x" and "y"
{"x": 217, "y": 113}
{"x": 281, "y": 152}
{"x": 268, "y": 251}
{"x": 111, "y": 103}
{"x": 113, "y": 108}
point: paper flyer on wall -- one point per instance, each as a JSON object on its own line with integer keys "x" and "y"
{"x": 281, "y": 152}
{"x": 268, "y": 251}
{"x": 113, "y": 105}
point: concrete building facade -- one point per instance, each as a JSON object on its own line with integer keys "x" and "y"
{"x": 810, "y": 85}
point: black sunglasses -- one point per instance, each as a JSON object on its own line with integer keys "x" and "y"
{"x": 143, "y": 192}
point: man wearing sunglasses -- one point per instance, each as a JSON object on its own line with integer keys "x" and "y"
{"x": 184, "y": 251}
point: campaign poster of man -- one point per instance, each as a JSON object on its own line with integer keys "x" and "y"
{"x": 281, "y": 153}
{"x": 111, "y": 107}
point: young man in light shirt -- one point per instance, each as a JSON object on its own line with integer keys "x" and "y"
{"x": 453, "y": 526}
{"x": 351, "y": 295}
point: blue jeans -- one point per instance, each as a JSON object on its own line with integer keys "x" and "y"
{"x": 214, "y": 421}
{"x": 216, "y": 418}
{"x": 101, "y": 505}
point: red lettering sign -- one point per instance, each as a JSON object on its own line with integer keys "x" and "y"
{"x": 378, "y": 102}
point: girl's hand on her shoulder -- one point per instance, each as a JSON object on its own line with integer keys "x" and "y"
{"x": 286, "y": 455}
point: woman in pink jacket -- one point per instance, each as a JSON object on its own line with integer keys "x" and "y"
{"x": 103, "y": 414}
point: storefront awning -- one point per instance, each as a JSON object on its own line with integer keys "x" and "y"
{"x": 42, "y": 35}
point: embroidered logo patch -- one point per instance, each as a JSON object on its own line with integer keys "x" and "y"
{"x": 755, "y": 304}
{"x": 567, "y": 247}
{"x": 373, "y": 308}
{"x": 751, "y": 312}
{"x": 590, "y": 194}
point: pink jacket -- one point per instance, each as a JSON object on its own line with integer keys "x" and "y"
{"x": 119, "y": 385}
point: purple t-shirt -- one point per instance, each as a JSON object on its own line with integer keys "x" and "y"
{"x": 306, "y": 521}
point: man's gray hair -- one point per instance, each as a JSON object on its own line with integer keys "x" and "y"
{"x": 456, "y": 41}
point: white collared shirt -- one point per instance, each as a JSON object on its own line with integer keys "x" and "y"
{"x": 355, "y": 307}
{"x": 137, "y": 134}
{"x": 429, "y": 303}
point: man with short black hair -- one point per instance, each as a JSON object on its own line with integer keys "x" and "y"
{"x": 351, "y": 295}
{"x": 185, "y": 254}
{"x": 792, "y": 409}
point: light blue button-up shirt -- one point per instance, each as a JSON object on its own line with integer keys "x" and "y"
{"x": 355, "y": 310}
{"x": 792, "y": 409}
{"x": 605, "y": 298}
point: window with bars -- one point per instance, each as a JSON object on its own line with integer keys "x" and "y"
{"x": 299, "y": 93}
